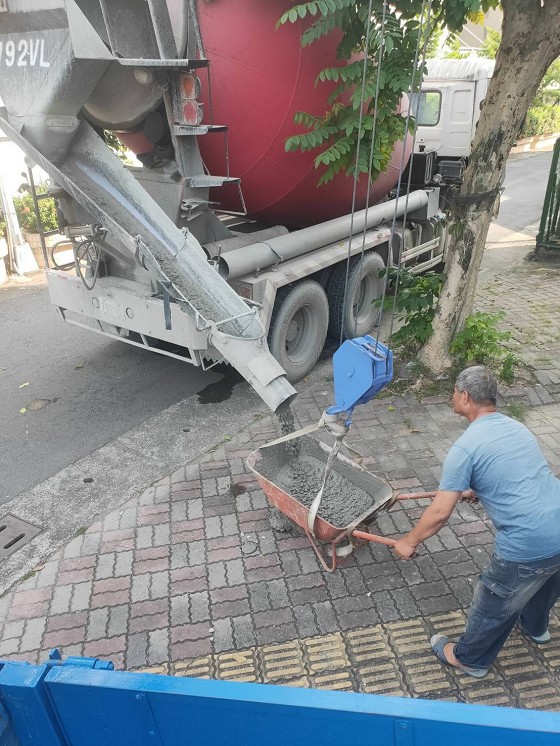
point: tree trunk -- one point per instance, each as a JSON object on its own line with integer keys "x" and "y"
{"x": 530, "y": 43}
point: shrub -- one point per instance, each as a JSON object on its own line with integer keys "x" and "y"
{"x": 541, "y": 120}
{"x": 481, "y": 342}
{"x": 25, "y": 211}
{"x": 415, "y": 304}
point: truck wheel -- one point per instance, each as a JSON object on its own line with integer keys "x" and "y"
{"x": 356, "y": 315}
{"x": 298, "y": 328}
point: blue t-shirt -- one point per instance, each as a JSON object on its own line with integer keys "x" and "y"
{"x": 500, "y": 459}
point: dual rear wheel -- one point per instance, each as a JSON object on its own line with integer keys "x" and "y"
{"x": 304, "y": 313}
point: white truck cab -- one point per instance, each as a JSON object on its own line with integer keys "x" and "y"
{"x": 449, "y": 108}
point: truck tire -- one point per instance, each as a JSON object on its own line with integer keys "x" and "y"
{"x": 364, "y": 286}
{"x": 298, "y": 327}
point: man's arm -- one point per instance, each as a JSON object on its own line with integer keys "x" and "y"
{"x": 431, "y": 521}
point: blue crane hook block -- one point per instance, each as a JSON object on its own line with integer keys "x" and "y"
{"x": 361, "y": 368}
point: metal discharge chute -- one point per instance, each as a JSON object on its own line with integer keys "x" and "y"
{"x": 52, "y": 61}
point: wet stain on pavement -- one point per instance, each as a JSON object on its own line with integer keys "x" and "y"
{"x": 220, "y": 390}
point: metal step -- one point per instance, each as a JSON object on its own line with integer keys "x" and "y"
{"x": 207, "y": 182}
{"x": 201, "y": 129}
{"x": 169, "y": 63}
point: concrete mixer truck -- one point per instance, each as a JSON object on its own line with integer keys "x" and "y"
{"x": 219, "y": 246}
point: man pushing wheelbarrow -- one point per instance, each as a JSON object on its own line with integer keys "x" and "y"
{"x": 498, "y": 461}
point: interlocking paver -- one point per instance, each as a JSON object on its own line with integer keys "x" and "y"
{"x": 31, "y": 638}
{"x": 199, "y": 606}
{"x": 193, "y": 570}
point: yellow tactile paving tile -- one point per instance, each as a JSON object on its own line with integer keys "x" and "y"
{"x": 537, "y": 693}
{"x": 283, "y": 662}
{"x": 395, "y": 659}
{"x": 302, "y": 681}
{"x": 337, "y": 681}
{"x": 491, "y": 696}
{"x": 426, "y": 676}
{"x": 163, "y": 669}
{"x": 325, "y": 653}
{"x": 518, "y": 658}
{"x": 452, "y": 625}
{"x": 200, "y": 668}
{"x": 381, "y": 678}
{"x": 365, "y": 645}
{"x": 407, "y": 638}
{"x": 551, "y": 651}
{"x": 551, "y": 655}
{"x": 238, "y": 666}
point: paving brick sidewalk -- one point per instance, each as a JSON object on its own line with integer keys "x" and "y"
{"x": 191, "y": 574}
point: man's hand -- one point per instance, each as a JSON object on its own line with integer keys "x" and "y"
{"x": 468, "y": 496}
{"x": 404, "y": 549}
{"x": 431, "y": 521}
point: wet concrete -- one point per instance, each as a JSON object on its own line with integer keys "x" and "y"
{"x": 342, "y": 500}
{"x": 285, "y": 416}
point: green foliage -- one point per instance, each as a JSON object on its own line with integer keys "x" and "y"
{"x": 480, "y": 341}
{"x": 2, "y": 225}
{"x": 516, "y": 411}
{"x": 118, "y": 147}
{"x": 25, "y": 211}
{"x": 491, "y": 44}
{"x": 507, "y": 369}
{"x": 415, "y": 305}
{"x": 434, "y": 43}
{"x": 541, "y": 120}
{"x": 454, "y": 50}
{"x": 548, "y": 93}
{"x": 549, "y": 89}
{"x": 337, "y": 133}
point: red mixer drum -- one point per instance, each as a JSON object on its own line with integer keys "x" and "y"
{"x": 260, "y": 77}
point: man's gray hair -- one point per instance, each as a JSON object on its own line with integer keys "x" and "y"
{"x": 479, "y": 382}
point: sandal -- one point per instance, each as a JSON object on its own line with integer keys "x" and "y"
{"x": 438, "y": 643}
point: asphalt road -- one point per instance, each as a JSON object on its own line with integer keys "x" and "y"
{"x": 95, "y": 390}
{"x": 525, "y": 186}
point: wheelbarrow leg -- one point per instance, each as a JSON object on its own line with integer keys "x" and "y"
{"x": 319, "y": 551}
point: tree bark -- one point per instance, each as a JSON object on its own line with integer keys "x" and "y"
{"x": 530, "y": 43}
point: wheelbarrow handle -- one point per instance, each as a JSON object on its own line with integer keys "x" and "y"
{"x": 365, "y": 536}
{"x": 416, "y": 496}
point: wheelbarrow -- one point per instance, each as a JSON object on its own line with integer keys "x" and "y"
{"x": 299, "y": 450}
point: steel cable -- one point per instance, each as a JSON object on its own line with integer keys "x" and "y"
{"x": 355, "y": 186}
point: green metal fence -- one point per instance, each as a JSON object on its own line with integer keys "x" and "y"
{"x": 548, "y": 236}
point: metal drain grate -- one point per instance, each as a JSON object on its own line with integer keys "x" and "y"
{"x": 14, "y": 533}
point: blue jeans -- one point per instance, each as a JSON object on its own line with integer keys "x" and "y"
{"x": 508, "y": 592}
